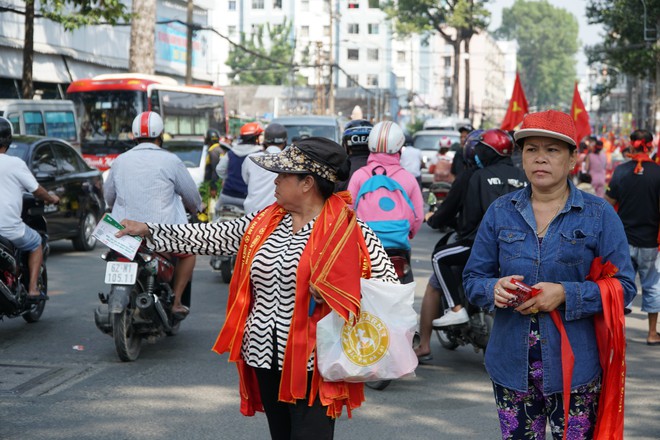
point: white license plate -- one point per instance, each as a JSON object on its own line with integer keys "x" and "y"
{"x": 117, "y": 272}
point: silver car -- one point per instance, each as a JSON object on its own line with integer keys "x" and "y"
{"x": 300, "y": 127}
{"x": 428, "y": 141}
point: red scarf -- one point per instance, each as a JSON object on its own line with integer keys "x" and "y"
{"x": 611, "y": 338}
{"x": 611, "y": 341}
{"x": 640, "y": 158}
{"x": 333, "y": 261}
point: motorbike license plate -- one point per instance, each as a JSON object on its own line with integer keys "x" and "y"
{"x": 117, "y": 272}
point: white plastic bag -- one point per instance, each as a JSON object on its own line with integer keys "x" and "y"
{"x": 379, "y": 345}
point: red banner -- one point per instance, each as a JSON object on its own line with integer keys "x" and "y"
{"x": 518, "y": 107}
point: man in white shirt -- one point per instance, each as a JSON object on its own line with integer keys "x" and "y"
{"x": 261, "y": 182}
{"x": 150, "y": 184}
{"x": 15, "y": 179}
{"x": 412, "y": 160}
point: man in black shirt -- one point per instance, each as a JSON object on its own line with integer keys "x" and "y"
{"x": 635, "y": 190}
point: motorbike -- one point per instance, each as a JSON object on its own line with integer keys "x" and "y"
{"x": 476, "y": 331}
{"x": 400, "y": 259}
{"x": 437, "y": 193}
{"x": 140, "y": 300}
{"x": 14, "y": 270}
{"x": 225, "y": 263}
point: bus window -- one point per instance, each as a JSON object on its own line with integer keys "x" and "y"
{"x": 61, "y": 124}
{"x": 34, "y": 123}
{"x": 194, "y": 113}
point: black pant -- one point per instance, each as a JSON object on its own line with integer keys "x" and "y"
{"x": 288, "y": 421}
{"x": 445, "y": 260}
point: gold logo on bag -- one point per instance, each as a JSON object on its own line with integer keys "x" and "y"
{"x": 366, "y": 342}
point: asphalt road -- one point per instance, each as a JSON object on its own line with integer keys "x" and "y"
{"x": 60, "y": 378}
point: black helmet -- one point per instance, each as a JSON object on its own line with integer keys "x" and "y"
{"x": 6, "y": 132}
{"x": 212, "y": 137}
{"x": 275, "y": 134}
{"x": 358, "y": 123}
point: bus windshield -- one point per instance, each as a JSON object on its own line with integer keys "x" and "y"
{"x": 189, "y": 114}
{"x": 105, "y": 118}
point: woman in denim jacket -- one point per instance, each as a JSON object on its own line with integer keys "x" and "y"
{"x": 546, "y": 235}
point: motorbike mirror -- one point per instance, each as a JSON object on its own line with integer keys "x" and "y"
{"x": 43, "y": 176}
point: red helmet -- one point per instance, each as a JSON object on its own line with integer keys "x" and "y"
{"x": 498, "y": 140}
{"x": 251, "y": 129}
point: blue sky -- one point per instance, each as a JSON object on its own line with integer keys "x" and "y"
{"x": 588, "y": 34}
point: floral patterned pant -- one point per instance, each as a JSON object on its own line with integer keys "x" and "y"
{"x": 523, "y": 415}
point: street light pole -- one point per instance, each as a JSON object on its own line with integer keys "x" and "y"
{"x": 331, "y": 98}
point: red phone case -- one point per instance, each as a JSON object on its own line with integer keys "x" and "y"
{"x": 523, "y": 292}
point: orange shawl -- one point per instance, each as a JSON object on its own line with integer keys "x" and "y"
{"x": 333, "y": 261}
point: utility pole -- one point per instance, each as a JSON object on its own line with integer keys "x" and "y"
{"x": 189, "y": 42}
{"x": 331, "y": 56}
{"x": 320, "y": 87}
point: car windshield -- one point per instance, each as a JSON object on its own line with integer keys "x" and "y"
{"x": 18, "y": 150}
{"x": 189, "y": 153}
{"x": 297, "y": 132}
{"x": 431, "y": 141}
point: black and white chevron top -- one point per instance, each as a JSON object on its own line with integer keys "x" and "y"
{"x": 273, "y": 275}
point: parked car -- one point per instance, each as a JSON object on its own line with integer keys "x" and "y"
{"x": 299, "y": 127}
{"x": 59, "y": 168}
{"x": 428, "y": 142}
{"x": 192, "y": 153}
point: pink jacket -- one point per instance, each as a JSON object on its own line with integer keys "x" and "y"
{"x": 390, "y": 162}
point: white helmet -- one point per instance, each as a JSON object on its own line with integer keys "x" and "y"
{"x": 147, "y": 125}
{"x": 445, "y": 142}
{"x": 386, "y": 137}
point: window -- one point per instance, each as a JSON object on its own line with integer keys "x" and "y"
{"x": 277, "y": 4}
{"x": 61, "y": 124}
{"x": 372, "y": 28}
{"x": 447, "y": 61}
{"x": 43, "y": 160}
{"x": 304, "y": 5}
{"x": 231, "y": 5}
{"x": 353, "y": 28}
{"x": 34, "y": 123}
{"x": 231, "y": 31}
{"x": 258, "y": 4}
{"x": 353, "y": 81}
{"x": 374, "y": 4}
{"x": 304, "y": 31}
{"x": 15, "y": 122}
{"x": 372, "y": 54}
{"x": 353, "y": 4}
{"x": 400, "y": 56}
{"x": 68, "y": 158}
{"x": 353, "y": 54}
{"x": 326, "y": 31}
{"x": 372, "y": 80}
{"x": 400, "y": 82}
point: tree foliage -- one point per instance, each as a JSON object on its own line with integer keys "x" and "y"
{"x": 455, "y": 20}
{"x": 71, "y": 14}
{"x": 75, "y": 13}
{"x": 623, "y": 45}
{"x": 268, "y": 59}
{"x": 547, "y": 39}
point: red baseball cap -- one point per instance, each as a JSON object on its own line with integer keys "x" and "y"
{"x": 551, "y": 123}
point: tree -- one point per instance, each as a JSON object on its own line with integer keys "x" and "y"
{"x": 266, "y": 57}
{"x": 547, "y": 40}
{"x": 630, "y": 46}
{"x": 71, "y": 14}
{"x": 143, "y": 27}
{"x": 457, "y": 21}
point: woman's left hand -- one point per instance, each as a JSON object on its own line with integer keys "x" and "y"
{"x": 552, "y": 296}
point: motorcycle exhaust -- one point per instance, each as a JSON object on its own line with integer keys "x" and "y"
{"x": 102, "y": 319}
{"x": 8, "y": 301}
{"x": 7, "y": 261}
{"x": 151, "y": 309}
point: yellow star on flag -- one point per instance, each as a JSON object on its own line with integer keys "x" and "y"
{"x": 576, "y": 113}
{"x": 516, "y": 107}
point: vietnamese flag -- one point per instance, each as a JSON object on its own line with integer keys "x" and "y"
{"x": 518, "y": 107}
{"x": 580, "y": 116}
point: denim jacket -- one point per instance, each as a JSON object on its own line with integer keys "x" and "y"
{"x": 506, "y": 244}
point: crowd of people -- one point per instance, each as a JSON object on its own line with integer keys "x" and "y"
{"x": 319, "y": 216}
